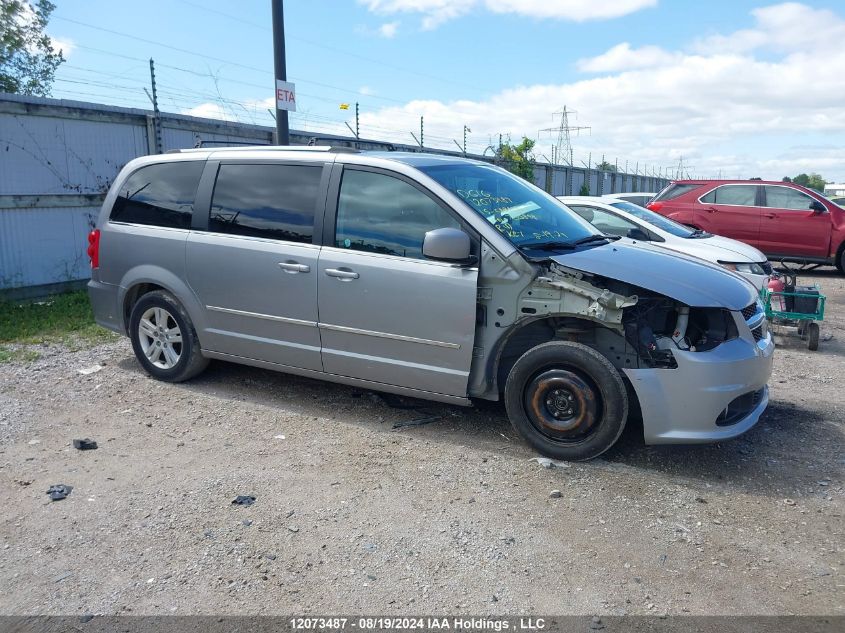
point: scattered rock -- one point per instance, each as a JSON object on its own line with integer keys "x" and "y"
{"x": 243, "y": 500}
{"x": 58, "y": 492}
{"x": 789, "y": 502}
{"x": 85, "y": 445}
{"x": 545, "y": 462}
{"x": 93, "y": 369}
{"x": 293, "y": 528}
{"x": 555, "y": 494}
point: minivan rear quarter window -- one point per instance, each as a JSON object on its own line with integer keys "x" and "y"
{"x": 159, "y": 195}
{"x": 270, "y": 201}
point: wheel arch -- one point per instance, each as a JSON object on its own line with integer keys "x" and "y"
{"x": 529, "y": 332}
{"x": 148, "y": 278}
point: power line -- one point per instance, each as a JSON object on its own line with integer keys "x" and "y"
{"x": 333, "y": 48}
{"x": 217, "y": 59}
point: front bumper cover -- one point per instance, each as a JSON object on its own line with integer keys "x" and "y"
{"x": 683, "y": 405}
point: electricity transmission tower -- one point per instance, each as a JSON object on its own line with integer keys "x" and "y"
{"x": 562, "y": 150}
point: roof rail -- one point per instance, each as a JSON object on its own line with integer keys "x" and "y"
{"x": 278, "y": 148}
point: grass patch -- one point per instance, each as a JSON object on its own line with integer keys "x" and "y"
{"x": 65, "y": 319}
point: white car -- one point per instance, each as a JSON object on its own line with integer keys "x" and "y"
{"x": 618, "y": 217}
{"x": 637, "y": 197}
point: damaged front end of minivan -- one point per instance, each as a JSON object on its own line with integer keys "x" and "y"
{"x": 695, "y": 363}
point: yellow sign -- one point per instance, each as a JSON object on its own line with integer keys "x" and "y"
{"x": 344, "y": 106}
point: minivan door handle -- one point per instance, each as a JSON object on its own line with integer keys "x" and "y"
{"x": 341, "y": 273}
{"x": 294, "y": 267}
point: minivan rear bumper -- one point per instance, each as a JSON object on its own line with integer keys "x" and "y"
{"x": 710, "y": 396}
{"x": 104, "y": 302}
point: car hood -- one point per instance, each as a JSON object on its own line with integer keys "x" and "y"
{"x": 687, "y": 279}
{"x": 743, "y": 252}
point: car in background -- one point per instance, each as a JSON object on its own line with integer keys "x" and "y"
{"x": 618, "y": 217}
{"x": 786, "y": 221}
{"x": 636, "y": 197}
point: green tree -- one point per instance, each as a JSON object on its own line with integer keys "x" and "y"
{"x": 584, "y": 190}
{"x": 518, "y": 159}
{"x": 786, "y": 179}
{"x": 28, "y": 61}
{"x": 813, "y": 181}
{"x": 605, "y": 166}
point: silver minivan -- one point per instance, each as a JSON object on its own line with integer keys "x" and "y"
{"x": 426, "y": 276}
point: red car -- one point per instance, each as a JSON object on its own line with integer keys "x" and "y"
{"x": 784, "y": 220}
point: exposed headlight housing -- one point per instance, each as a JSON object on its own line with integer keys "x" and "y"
{"x": 744, "y": 267}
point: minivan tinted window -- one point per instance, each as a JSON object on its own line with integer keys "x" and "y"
{"x": 271, "y": 201}
{"x": 159, "y": 195}
{"x": 741, "y": 195}
{"x": 377, "y": 213}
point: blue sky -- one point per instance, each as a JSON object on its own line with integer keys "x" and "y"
{"x": 738, "y": 88}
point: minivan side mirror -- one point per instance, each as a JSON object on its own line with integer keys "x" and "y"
{"x": 448, "y": 245}
{"x": 817, "y": 207}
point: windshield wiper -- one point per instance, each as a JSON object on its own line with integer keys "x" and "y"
{"x": 699, "y": 233}
{"x": 595, "y": 238}
{"x": 548, "y": 246}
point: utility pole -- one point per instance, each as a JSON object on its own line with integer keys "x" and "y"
{"x": 282, "y": 129}
{"x": 466, "y": 129}
{"x": 357, "y": 129}
{"x": 422, "y": 138}
{"x": 159, "y": 148}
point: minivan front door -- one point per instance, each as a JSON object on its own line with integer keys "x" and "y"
{"x": 387, "y": 314}
{"x": 254, "y": 266}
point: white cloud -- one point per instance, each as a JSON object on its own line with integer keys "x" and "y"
{"x": 366, "y": 90}
{"x": 65, "y": 45}
{"x": 388, "y": 29}
{"x": 435, "y": 12}
{"x": 211, "y": 111}
{"x": 723, "y": 108}
{"x": 623, "y": 57}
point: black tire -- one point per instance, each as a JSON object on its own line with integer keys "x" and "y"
{"x": 566, "y": 400}
{"x": 190, "y": 359}
{"x": 840, "y": 261}
{"x": 813, "y": 337}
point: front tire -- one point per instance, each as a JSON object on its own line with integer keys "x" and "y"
{"x": 164, "y": 339}
{"x": 840, "y": 261}
{"x": 566, "y": 400}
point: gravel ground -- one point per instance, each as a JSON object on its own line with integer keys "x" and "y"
{"x": 353, "y": 516}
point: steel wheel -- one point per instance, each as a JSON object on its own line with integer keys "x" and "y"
{"x": 561, "y": 405}
{"x": 160, "y": 338}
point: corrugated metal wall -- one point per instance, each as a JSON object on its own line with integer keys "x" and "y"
{"x": 58, "y": 158}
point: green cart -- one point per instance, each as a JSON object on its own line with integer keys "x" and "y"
{"x": 800, "y": 307}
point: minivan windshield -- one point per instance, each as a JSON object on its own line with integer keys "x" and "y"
{"x": 661, "y": 222}
{"x": 526, "y": 215}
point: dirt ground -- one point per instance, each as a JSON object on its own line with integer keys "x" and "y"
{"x": 454, "y": 517}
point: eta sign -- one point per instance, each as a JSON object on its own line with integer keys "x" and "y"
{"x": 285, "y": 95}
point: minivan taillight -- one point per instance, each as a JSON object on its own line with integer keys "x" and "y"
{"x": 654, "y": 206}
{"x": 94, "y": 248}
